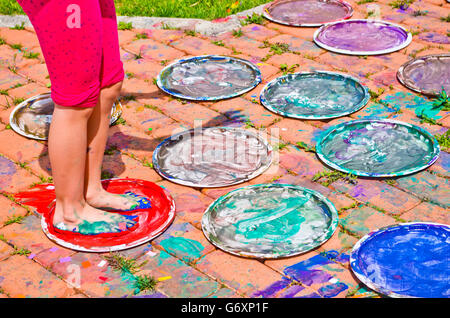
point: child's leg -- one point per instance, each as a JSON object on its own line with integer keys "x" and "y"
{"x": 111, "y": 82}
{"x": 73, "y": 55}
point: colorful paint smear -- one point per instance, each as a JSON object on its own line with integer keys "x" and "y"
{"x": 307, "y": 13}
{"x": 406, "y": 260}
{"x": 209, "y": 77}
{"x": 428, "y": 74}
{"x": 32, "y": 117}
{"x": 212, "y": 157}
{"x": 152, "y": 221}
{"x": 377, "y": 148}
{"x": 362, "y": 37}
{"x": 317, "y": 272}
{"x": 270, "y": 221}
{"x": 314, "y": 95}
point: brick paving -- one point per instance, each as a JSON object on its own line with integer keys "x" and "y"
{"x": 33, "y": 266}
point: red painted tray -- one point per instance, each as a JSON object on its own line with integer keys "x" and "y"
{"x": 152, "y": 222}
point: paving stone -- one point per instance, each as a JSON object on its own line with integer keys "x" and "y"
{"x": 142, "y": 69}
{"x": 122, "y": 166}
{"x": 427, "y": 186}
{"x": 129, "y": 140}
{"x": 442, "y": 165}
{"x": 241, "y": 110}
{"x": 304, "y": 164}
{"x": 28, "y": 235}
{"x": 196, "y": 46}
{"x": 8, "y": 79}
{"x": 28, "y": 91}
{"x": 94, "y": 276}
{"x": 247, "y": 46}
{"x": 379, "y": 194}
{"x": 184, "y": 241}
{"x": 152, "y": 50}
{"x": 319, "y": 272}
{"x": 164, "y": 36}
{"x": 9, "y": 209}
{"x": 176, "y": 278}
{"x": 363, "y": 220}
{"x": 190, "y": 203}
{"x": 13, "y": 178}
{"x": 29, "y": 40}
{"x": 244, "y": 275}
{"x": 22, "y": 278}
{"x": 36, "y": 72}
{"x": 258, "y": 32}
{"x": 427, "y": 212}
{"x": 5, "y": 251}
{"x": 190, "y": 112}
{"x": 19, "y": 148}
{"x": 294, "y": 131}
{"x": 307, "y": 48}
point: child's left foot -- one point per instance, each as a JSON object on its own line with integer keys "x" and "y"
{"x": 120, "y": 202}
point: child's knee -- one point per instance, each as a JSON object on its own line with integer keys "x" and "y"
{"x": 111, "y": 93}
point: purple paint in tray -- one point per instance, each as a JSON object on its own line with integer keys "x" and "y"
{"x": 362, "y": 37}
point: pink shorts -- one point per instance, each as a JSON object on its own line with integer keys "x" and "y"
{"x": 80, "y": 44}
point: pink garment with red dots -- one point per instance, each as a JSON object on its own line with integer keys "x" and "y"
{"x": 79, "y": 41}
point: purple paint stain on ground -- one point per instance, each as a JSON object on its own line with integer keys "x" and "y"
{"x": 292, "y": 291}
{"x": 332, "y": 290}
{"x": 358, "y": 191}
{"x": 273, "y": 288}
{"x": 65, "y": 259}
{"x": 305, "y": 273}
{"x": 445, "y": 160}
{"x": 7, "y": 167}
{"x": 155, "y": 295}
{"x": 435, "y": 38}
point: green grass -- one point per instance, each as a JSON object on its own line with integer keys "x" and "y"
{"x": 120, "y": 263}
{"x": 14, "y": 219}
{"x": 145, "y": 282}
{"x": 201, "y": 9}
{"x": 444, "y": 140}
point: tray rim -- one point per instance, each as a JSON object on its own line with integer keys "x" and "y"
{"x": 254, "y": 67}
{"x": 255, "y": 174}
{"x": 118, "y": 247}
{"x": 356, "y": 269}
{"x": 348, "y": 52}
{"x": 269, "y": 17}
{"x": 402, "y": 79}
{"x": 334, "y": 216}
{"x": 329, "y": 131}
{"x": 117, "y": 105}
{"x": 361, "y": 105}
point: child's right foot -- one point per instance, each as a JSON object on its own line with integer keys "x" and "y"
{"x": 88, "y": 220}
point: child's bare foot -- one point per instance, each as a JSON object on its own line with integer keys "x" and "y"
{"x": 121, "y": 202}
{"x": 87, "y": 220}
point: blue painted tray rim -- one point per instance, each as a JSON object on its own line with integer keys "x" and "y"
{"x": 208, "y": 229}
{"x": 407, "y": 41}
{"x": 256, "y": 82}
{"x": 359, "y": 273}
{"x": 256, "y": 173}
{"x": 269, "y": 17}
{"x": 270, "y": 107}
{"x": 324, "y": 159}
